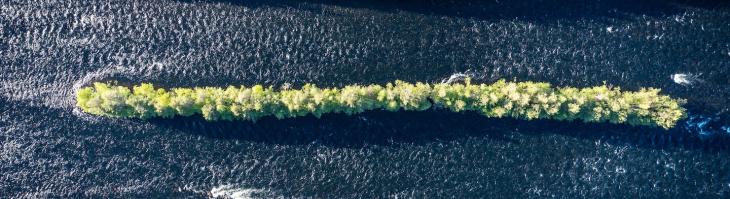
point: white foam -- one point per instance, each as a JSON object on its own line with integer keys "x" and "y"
{"x": 685, "y": 79}
{"x": 457, "y": 77}
{"x": 706, "y": 125}
{"x": 681, "y": 79}
{"x": 235, "y": 192}
{"x": 610, "y": 29}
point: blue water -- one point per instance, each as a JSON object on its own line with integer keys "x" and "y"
{"x": 50, "y": 48}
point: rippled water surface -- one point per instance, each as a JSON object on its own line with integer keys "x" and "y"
{"x": 50, "y": 48}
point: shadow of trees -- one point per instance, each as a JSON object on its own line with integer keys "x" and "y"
{"x": 388, "y": 128}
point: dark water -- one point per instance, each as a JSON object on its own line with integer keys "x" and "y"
{"x": 49, "y": 48}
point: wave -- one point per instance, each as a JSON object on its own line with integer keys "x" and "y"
{"x": 707, "y": 125}
{"x": 236, "y": 192}
{"x": 686, "y": 79}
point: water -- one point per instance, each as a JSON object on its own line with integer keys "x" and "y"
{"x": 51, "y": 48}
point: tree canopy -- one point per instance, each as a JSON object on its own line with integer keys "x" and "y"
{"x": 523, "y": 100}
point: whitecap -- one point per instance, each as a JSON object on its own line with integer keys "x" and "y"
{"x": 685, "y": 79}
{"x": 457, "y": 77}
{"x": 610, "y": 29}
{"x": 237, "y": 192}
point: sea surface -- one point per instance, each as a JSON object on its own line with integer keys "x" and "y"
{"x": 50, "y": 48}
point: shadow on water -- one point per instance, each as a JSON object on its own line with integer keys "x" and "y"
{"x": 387, "y": 128}
{"x": 502, "y": 9}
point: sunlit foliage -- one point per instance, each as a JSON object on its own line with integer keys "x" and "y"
{"x": 523, "y": 100}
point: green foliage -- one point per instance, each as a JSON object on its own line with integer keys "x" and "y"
{"x": 523, "y": 100}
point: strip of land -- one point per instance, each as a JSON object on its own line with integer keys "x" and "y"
{"x": 523, "y": 100}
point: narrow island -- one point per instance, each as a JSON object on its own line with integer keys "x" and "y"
{"x": 522, "y": 100}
